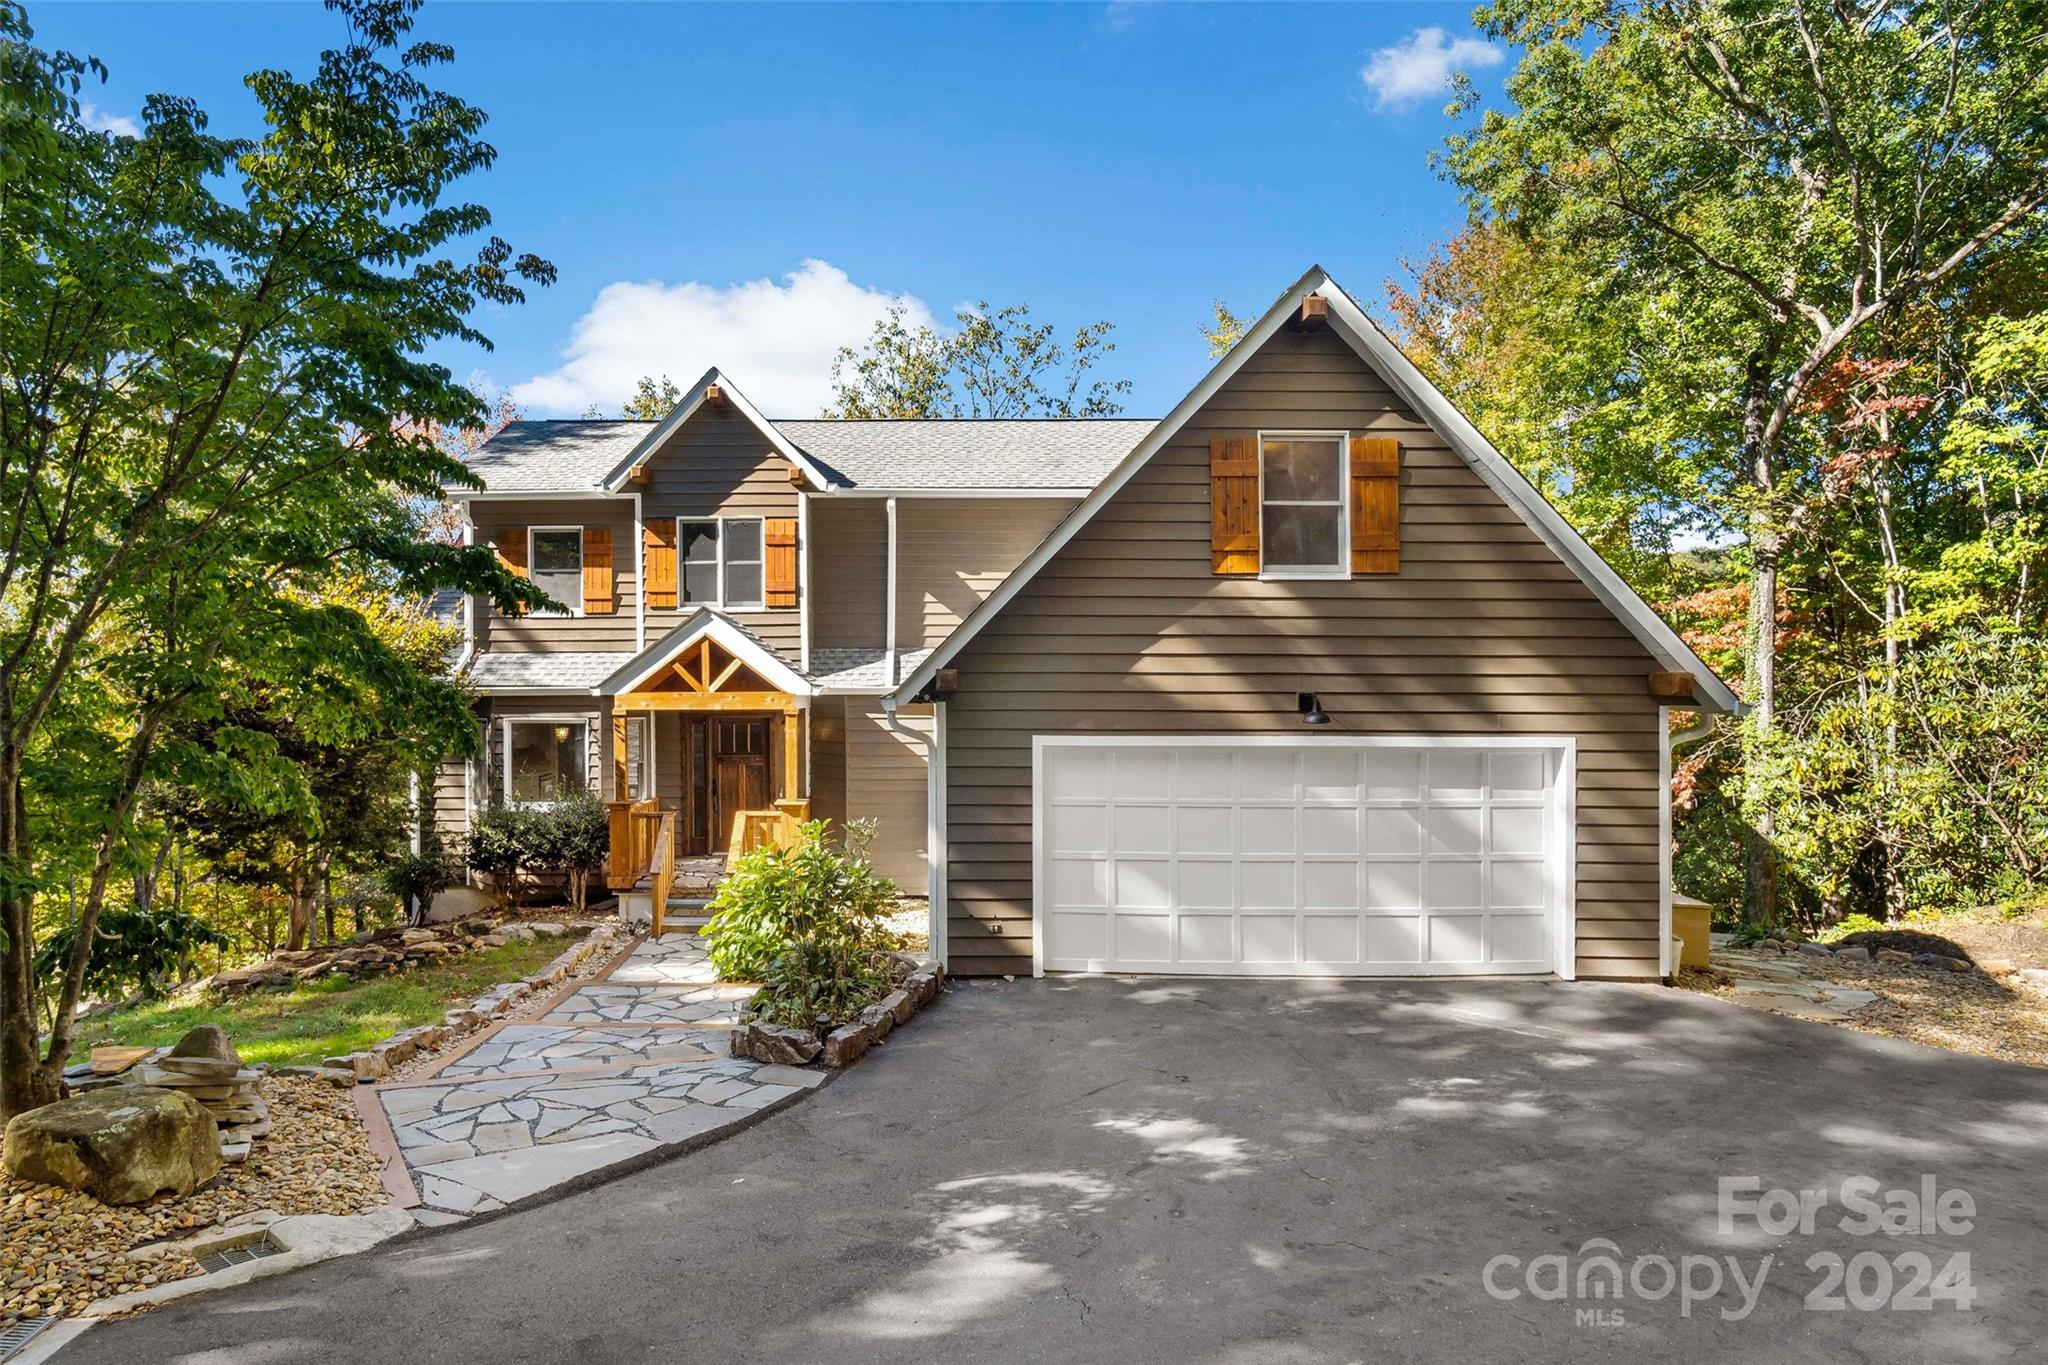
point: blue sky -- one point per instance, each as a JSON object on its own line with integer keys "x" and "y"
{"x": 750, "y": 185}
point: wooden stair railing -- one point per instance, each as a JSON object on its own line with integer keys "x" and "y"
{"x": 664, "y": 869}
{"x": 781, "y": 828}
{"x": 631, "y": 857}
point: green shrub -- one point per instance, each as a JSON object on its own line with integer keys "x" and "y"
{"x": 501, "y": 845}
{"x": 131, "y": 949}
{"x": 1857, "y": 923}
{"x": 806, "y": 922}
{"x": 571, "y": 837}
{"x": 416, "y": 878}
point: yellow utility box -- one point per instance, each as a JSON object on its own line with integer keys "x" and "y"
{"x": 1690, "y": 922}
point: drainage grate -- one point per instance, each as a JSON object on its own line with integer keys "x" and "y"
{"x": 241, "y": 1255}
{"x": 13, "y": 1339}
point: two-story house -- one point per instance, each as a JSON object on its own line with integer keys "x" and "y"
{"x": 1302, "y": 678}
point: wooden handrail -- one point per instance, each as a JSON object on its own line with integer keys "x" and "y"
{"x": 632, "y": 842}
{"x": 664, "y": 861}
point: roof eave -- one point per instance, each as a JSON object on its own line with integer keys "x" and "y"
{"x": 1378, "y": 350}
{"x": 654, "y": 440}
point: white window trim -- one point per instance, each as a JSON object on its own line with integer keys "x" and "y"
{"x": 724, "y": 602}
{"x": 506, "y": 723}
{"x": 533, "y": 567}
{"x": 1290, "y": 572}
{"x": 648, "y": 776}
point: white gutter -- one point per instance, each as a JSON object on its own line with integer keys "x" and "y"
{"x": 935, "y": 855}
{"x": 889, "y": 609}
{"x": 803, "y": 580}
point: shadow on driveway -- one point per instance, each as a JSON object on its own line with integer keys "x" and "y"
{"x": 1233, "y": 1171}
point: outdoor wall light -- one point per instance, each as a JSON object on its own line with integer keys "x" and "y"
{"x": 1311, "y": 708}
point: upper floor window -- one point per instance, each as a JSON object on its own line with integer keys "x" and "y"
{"x": 556, "y": 556}
{"x": 1302, "y": 514}
{"x": 720, "y": 562}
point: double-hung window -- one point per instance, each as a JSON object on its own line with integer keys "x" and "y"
{"x": 719, "y": 562}
{"x": 546, "y": 760}
{"x": 556, "y": 556}
{"x": 1302, "y": 513}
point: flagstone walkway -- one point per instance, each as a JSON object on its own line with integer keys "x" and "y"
{"x": 613, "y": 1068}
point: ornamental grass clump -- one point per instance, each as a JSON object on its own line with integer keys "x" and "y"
{"x": 807, "y": 923}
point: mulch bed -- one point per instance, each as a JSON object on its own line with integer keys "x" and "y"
{"x": 60, "y": 1250}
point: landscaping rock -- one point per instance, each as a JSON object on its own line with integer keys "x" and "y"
{"x": 364, "y": 1066}
{"x": 207, "y": 1041}
{"x": 1956, "y": 964}
{"x": 1816, "y": 950}
{"x": 923, "y": 987}
{"x": 845, "y": 1045}
{"x": 1855, "y": 953}
{"x": 1894, "y": 956}
{"x": 774, "y": 1044}
{"x": 877, "y": 1020}
{"x": 546, "y": 929}
{"x": 1928, "y": 959}
{"x": 122, "y": 1145}
{"x": 899, "y": 1004}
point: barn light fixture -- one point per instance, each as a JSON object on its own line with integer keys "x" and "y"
{"x": 1311, "y": 708}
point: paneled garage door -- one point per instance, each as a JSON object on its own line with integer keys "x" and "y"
{"x": 1332, "y": 857}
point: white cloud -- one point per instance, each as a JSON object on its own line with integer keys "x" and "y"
{"x": 775, "y": 340}
{"x": 100, "y": 121}
{"x": 1421, "y": 64}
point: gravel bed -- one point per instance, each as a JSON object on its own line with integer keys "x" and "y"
{"x": 62, "y": 1249}
{"x": 1987, "y": 1016}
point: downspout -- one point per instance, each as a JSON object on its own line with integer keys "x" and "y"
{"x": 803, "y": 581}
{"x": 889, "y": 607}
{"x": 639, "y": 578}
{"x": 935, "y": 859}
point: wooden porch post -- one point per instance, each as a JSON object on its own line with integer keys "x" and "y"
{"x": 619, "y": 792}
{"x": 792, "y": 753}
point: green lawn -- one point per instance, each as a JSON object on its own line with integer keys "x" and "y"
{"x": 323, "y": 1018}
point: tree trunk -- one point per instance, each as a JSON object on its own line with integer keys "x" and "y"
{"x": 299, "y": 929}
{"x": 325, "y": 883}
{"x": 1766, "y": 543}
{"x": 23, "y": 1084}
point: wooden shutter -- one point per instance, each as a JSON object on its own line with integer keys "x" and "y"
{"x": 598, "y": 597}
{"x": 779, "y": 536}
{"x": 1375, "y": 504}
{"x": 1234, "y": 504}
{"x": 511, "y": 546}
{"x": 660, "y": 550}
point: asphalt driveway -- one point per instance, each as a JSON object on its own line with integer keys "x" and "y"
{"x": 1246, "y": 1172}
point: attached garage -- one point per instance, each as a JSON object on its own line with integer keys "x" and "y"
{"x": 1281, "y": 857}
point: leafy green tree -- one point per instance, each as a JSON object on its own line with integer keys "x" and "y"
{"x": 216, "y": 394}
{"x": 651, "y": 401}
{"x": 131, "y": 950}
{"x": 1223, "y": 331}
{"x": 1794, "y": 176}
{"x": 997, "y": 364}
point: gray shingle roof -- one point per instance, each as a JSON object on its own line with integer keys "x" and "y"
{"x": 938, "y": 453}
{"x": 861, "y": 670}
{"x": 1049, "y": 453}
{"x": 519, "y": 672}
{"x": 555, "y": 456}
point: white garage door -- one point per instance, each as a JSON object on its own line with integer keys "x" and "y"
{"x": 1330, "y": 857}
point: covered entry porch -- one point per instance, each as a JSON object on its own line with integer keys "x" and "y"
{"x": 707, "y": 747}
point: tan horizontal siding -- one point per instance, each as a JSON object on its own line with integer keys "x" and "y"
{"x": 849, "y": 545}
{"x": 1484, "y": 631}
{"x": 828, "y": 760}
{"x": 449, "y": 793}
{"x": 887, "y": 782}
{"x": 951, "y": 553}
{"x": 717, "y": 464}
{"x": 551, "y": 634}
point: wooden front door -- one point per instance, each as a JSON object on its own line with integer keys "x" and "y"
{"x": 738, "y": 772}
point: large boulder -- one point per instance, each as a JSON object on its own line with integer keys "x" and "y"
{"x": 122, "y": 1145}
